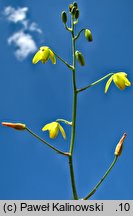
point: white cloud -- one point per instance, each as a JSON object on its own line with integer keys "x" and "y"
{"x": 34, "y": 27}
{"x": 15, "y": 15}
{"x": 24, "y": 43}
{"x": 20, "y": 15}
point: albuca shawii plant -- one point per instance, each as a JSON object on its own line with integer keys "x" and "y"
{"x": 119, "y": 78}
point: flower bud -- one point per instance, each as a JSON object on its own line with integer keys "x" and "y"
{"x": 17, "y": 126}
{"x": 75, "y": 4}
{"x": 73, "y": 10}
{"x": 80, "y": 58}
{"x": 76, "y": 14}
{"x": 119, "y": 147}
{"x": 70, "y": 7}
{"x": 88, "y": 35}
{"x": 64, "y": 17}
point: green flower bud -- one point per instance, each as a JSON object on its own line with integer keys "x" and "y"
{"x": 75, "y": 4}
{"x": 76, "y": 14}
{"x": 70, "y": 7}
{"x": 73, "y": 10}
{"x": 80, "y": 58}
{"x": 88, "y": 35}
{"x": 64, "y": 17}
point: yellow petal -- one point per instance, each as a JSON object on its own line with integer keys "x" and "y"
{"x": 119, "y": 81}
{"x": 53, "y": 129}
{"x": 46, "y": 127}
{"x": 49, "y": 126}
{"x": 45, "y": 55}
{"x": 108, "y": 84}
{"x": 52, "y": 57}
{"x": 53, "y": 132}
{"x": 127, "y": 82}
{"x": 122, "y": 74}
{"x": 43, "y": 48}
{"x": 37, "y": 57}
{"x": 62, "y": 131}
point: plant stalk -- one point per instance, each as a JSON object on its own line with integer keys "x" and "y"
{"x": 64, "y": 121}
{"x": 94, "y": 83}
{"x": 49, "y": 145}
{"x": 61, "y": 59}
{"x": 75, "y": 195}
{"x": 102, "y": 179}
{"x": 77, "y": 36}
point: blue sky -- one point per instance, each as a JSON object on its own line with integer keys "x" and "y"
{"x": 38, "y": 94}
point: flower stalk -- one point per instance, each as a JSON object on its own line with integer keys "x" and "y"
{"x": 94, "y": 83}
{"x": 46, "y": 143}
{"x": 118, "y": 151}
{"x": 102, "y": 179}
{"x": 61, "y": 59}
{"x": 64, "y": 121}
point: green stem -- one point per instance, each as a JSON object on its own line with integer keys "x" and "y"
{"x": 74, "y": 92}
{"x": 75, "y": 196}
{"x": 39, "y": 138}
{"x": 77, "y": 36}
{"x": 68, "y": 65}
{"x": 67, "y": 28}
{"x": 94, "y": 83}
{"x": 64, "y": 121}
{"x": 102, "y": 179}
{"x": 74, "y": 112}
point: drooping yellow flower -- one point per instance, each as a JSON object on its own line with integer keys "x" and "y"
{"x": 53, "y": 129}
{"x": 17, "y": 126}
{"x": 120, "y": 80}
{"x": 43, "y": 55}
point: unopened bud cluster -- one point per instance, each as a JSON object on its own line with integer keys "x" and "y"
{"x": 73, "y": 8}
{"x": 74, "y": 11}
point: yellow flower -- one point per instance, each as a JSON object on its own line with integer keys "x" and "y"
{"x": 43, "y": 55}
{"x": 17, "y": 126}
{"x": 53, "y": 129}
{"x": 120, "y": 80}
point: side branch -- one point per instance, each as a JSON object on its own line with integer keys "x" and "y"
{"x": 68, "y": 65}
{"x": 67, "y": 28}
{"x": 49, "y": 145}
{"x": 102, "y": 179}
{"x": 77, "y": 36}
{"x": 64, "y": 121}
{"x": 94, "y": 83}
